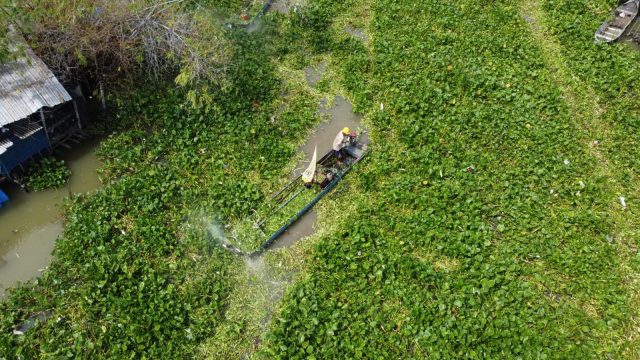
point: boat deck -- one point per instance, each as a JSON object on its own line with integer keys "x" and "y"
{"x": 615, "y": 28}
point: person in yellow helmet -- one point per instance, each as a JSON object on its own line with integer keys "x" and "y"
{"x": 342, "y": 139}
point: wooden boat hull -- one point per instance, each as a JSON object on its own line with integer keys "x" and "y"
{"x": 623, "y": 16}
{"x": 353, "y": 154}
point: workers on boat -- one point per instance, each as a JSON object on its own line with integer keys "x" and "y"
{"x": 344, "y": 138}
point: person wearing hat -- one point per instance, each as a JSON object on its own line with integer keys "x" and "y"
{"x": 342, "y": 139}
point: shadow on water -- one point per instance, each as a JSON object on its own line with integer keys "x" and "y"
{"x": 31, "y": 222}
{"x": 301, "y": 229}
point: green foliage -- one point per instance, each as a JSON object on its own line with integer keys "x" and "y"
{"x": 309, "y": 29}
{"x": 481, "y": 226}
{"x": 4, "y": 47}
{"x": 607, "y": 69}
{"x": 314, "y": 23}
{"x": 10, "y": 16}
{"x": 48, "y": 173}
{"x": 135, "y": 273}
{"x": 474, "y": 238}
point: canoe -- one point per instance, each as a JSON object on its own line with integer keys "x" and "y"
{"x": 623, "y": 15}
{"x": 353, "y": 154}
{"x": 330, "y": 174}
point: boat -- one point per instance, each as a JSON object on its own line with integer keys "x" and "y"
{"x": 623, "y": 16}
{"x": 329, "y": 171}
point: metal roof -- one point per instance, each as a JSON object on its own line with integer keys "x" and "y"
{"x": 27, "y": 85}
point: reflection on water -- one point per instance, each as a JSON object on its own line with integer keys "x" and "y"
{"x": 30, "y": 255}
{"x": 31, "y": 222}
{"x": 300, "y": 229}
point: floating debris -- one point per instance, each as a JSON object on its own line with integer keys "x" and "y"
{"x": 31, "y": 321}
{"x": 623, "y": 203}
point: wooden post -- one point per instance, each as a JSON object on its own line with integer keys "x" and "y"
{"x": 44, "y": 125}
{"x": 104, "y": 101}
{"x": 75, "y": 108}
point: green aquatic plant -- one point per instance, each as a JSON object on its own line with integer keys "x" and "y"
{"x": 484, "y": 225}
{"x": 47, "y": 173}
{"x": 132, "y": 275}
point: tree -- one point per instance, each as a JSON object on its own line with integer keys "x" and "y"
{"x": 105, "y": 39}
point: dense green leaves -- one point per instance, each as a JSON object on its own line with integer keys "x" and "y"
{"x": 485, "y": 226}
{"x": 135, "y": 274}
{"x": 48, "y": 173}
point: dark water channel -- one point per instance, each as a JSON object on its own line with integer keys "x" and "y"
{"x": 31, "y": 222}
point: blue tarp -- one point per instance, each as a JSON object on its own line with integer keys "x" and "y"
{"x": 22, "y": 150}
{"x": 3, "y": 198}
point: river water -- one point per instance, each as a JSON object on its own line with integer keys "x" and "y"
{"x": 31, "y": 222}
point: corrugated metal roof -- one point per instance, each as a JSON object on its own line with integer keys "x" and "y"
{"x": 4, "y": 145}
{"x": 26, "y": 85}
